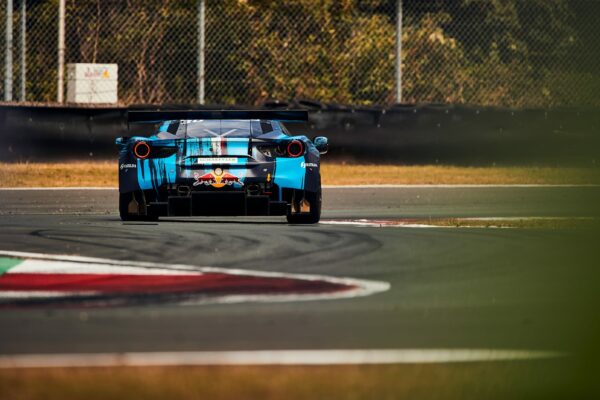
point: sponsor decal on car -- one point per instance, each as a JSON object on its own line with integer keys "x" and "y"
{"x": 308, "y": 164}
{"x": 127, "y": 166}
{"x": 218, "y": 160}
{"x": 218, "y": 179}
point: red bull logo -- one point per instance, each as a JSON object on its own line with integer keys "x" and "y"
{"x": 218, "y": 178}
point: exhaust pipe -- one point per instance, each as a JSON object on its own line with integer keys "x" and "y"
{"x": 183, "y": 190}
{"x": 254, "y": 189}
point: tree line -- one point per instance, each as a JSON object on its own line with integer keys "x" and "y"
{"x": 515, "y": 53}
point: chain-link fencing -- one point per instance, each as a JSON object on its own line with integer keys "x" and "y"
{"x": 516, "y": 53}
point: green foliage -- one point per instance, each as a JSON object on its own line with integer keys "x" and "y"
{"x": 148, "y": 39}
{"x": 429, "y": 49}
{"x": 517, "y": 53}
{"x": 41, "y": 58}
{"x": 491, "y": 52}
{"x": 292, "y": 49}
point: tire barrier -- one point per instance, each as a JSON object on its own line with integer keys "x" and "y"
{"x": 415, "y": 134}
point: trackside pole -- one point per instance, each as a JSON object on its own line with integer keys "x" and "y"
{"x": 8, "y": 54}
{"x": 61, "y": 51}
{"x": 399, "y": 51}
{"x": 23, "y": 90}
{"x": 201, "y": 49}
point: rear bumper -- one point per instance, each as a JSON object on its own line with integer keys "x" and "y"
{"x": 217, "y": 204}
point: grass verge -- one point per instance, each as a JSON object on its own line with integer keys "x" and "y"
{"x": 520, "y": 223}
{"x": 103, "y": 173}
{"x": 503, "y": 380}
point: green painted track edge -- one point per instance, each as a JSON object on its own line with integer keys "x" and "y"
{"x": 7, "y": 263}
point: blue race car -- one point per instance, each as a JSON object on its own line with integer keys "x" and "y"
{"x": 217, "y": 163}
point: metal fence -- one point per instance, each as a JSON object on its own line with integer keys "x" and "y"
{"x": 516, "y": 53}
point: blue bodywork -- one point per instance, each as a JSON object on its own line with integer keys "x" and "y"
{"x": 256, "y": 160}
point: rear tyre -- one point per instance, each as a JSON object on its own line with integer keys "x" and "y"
{"x": 125, "y": 200}
{"x": 314, "y": 214}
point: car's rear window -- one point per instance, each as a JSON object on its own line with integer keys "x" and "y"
{"x": 214, "y": 128}
{"x": 219, "y": 128}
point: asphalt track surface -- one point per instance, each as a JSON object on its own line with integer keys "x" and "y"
{"x": 528, "y": 289}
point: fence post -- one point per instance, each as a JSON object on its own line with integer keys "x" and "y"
{"x": 8, "y": 55}
{"x": 399, "y": 51}
{"x": 23, "y": 90}
{"x": 201, "y": 26}
{"x": 61, "y": 50}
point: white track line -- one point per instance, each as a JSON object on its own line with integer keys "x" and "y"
{"x": 37, "y": 266}
{"x": 374, "y": 224}
{"x": 382, "y": 224}
{"x": 523, "y": 218}
{"x": 456, "y": 186}
{"x": 273, "y": 357}
{"x": 381, "y": 186}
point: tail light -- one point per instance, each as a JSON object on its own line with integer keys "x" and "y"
{"x": 141, "y": 150}
{"x": 295, "y": 148}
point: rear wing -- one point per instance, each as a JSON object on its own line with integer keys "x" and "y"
{"x": 137, "y": 117}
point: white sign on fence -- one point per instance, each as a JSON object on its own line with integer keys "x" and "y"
{"x": 92, "y": 83}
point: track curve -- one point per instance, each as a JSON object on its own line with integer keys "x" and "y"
{"x": 450, "y": 288}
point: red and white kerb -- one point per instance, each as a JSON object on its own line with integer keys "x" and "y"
{"x": 37, "y": 279}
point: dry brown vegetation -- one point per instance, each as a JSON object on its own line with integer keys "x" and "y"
{"x": 450, "y": 381}
{"x": 105, "y": 174}
{"x": 58, "y": 174}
